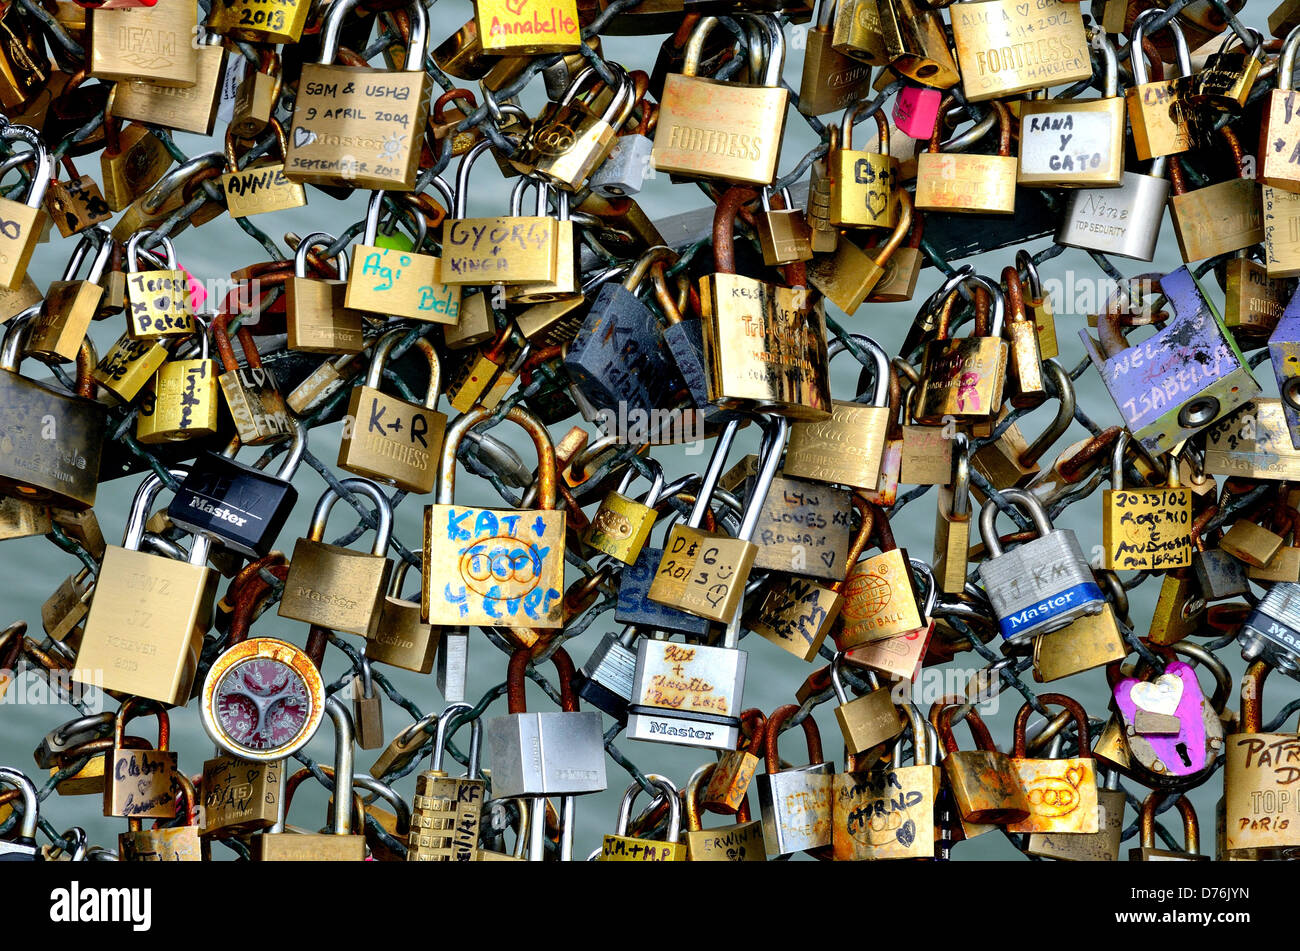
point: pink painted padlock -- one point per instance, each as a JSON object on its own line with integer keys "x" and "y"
{"x": 916, "y": 110}
{"x": 1173, "y": 731}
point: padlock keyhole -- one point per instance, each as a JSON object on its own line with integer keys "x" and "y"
{"x": 1181, "y": 750}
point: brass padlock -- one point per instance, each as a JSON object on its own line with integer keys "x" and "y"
{"x": 1001, "y": 46}
{"x": 317, "y": 318}
{"x": 849, "y": 275}
{"x": 879, "y": 593}
{"x": 862, "y": 183}
{"x": 251, "y": 393}
{"x": 139, "y": 783}
{"x": 868, "y": 720}
{"x": 569, "y": 139}
{"x": 183, "y": 399}
{"x": 741, "y": 841}
{"x": 1061, "y": 793}
{"x": 70, "y": 304}
{"x": 257, "y": 189}
{"x": 1218, "y": 218}
{"x": 257, "y": 22}
{"x": 132, "y": 161}
{"x": 401, "y": 450}
{"x": 189, "y": 109}
{"x": 963, "y": 378}
{"x": 964, "y": 181}
{"x": 22, "y": 223}
{"x": 401, "y": 639}
{"x": 1156, "y": 109}
{"x": 985, "y": 785}
{"x": 833, "y": 79}
{"x": 1225, "y": 81}
{"x": 952, "y": 523}
{"x": 158, "y": 301}
{"x": 1257, "y": 796}
{"x": 403, "y": 283}
{"x": 1148, "y": 529}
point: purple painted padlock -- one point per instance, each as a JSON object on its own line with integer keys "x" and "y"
{"x": 916, "y": 110}
{"x": 1173, "y": 732}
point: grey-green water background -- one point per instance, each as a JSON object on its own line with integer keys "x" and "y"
{"x": 32, "y": 567}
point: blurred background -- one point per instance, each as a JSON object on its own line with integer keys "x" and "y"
{"x": 33, "y": 567}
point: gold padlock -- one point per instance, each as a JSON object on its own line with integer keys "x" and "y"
{"x": 158, "y": 301}
{"x": 70, "y": 304}
{"x": 1004, "y": 48}
{"x": 22, "y": 223}
{"x": 316, "y": 316}
{"x": 257, "y": 189}
{"x": 964, "y": 181}
{"x": 183, "y": 399}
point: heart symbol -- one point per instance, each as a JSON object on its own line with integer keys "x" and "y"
{"x": 143, "y": 786}
{"x": 1074, "y": 775}
{"x": 1160, "y": 695}
{"x": 303, "y": 136}
{"x": 877, "y": 202}
{"x": 514, "y": 6}
{"x": 1022, "y": 9}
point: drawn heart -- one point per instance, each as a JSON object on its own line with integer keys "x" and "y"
{"x": 1160, "y": 695}
{"x": 1074, "y": 775}
{"x": 515, "y": 6}
{"x": 303, "y": 136}
{"x": 1022, "y": 9}
{"x": 143, "y": 786}
{"x": 877, "y": 202}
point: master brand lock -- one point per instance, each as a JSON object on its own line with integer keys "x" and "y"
{"x": 489, "y": 566}
{"x": 336, "y": 587}
{"x": 1175, "y": 383}
{"x": 316, "y": 316}
{"x": 357, "y": 126}
{"x": 237, "y": 505}
{"x": 149, "y": 614}
{"x": 1271, "y": 631}
{"x": 399, "y": 450}
{"x": 1041, "y": 585}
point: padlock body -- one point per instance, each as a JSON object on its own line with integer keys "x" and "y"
{"x": 687, "y": 694}
{"x": 1041, "y": 585}
{"x": 545, "y": 754}
{"x": 241, "y": 507}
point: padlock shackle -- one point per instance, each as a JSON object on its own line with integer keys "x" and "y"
{"x": 838, "y": 346}
{"x": 133, "y": 250}
{"x": 638, "y": 271}
{"x": 133, "y": 707}
{"x": 1286, "y": 63}
{"x": 440, "y": 736}
{"x": 1252, "y": 696}
{"x": 1071, "y": 706}
{"x": 518, "y": 667}
{"x": 1066, "y": 404}
{"x": 31, "y": 803}
{"x": 866, "y": 108}
{"x": 1021, "y": 499}
{"x": 724, "y": 226}
{"x": 979, "y": 282}
{"x": 460, "y": 206}
{"x": 383, "y": 513}
{"x": 1216, "y": 667}
{"x": 319, "y": 239}
{"x": 925, "y": 747}
{"x": 104, "y": 250}
{"x": 332, "y": 27}
{"x": 812, "y": 736}
{"x": 375, "y": 372}
{"x": 1025, "y": 262}
{"x": 667, "y": 792}
{"x": 960, "y": 507}
{"x": 900, "y": 231}
{"x": 43, "y": 173}
{"x": 139, "y": 514}
{"x": 1191, "y": 826}
{"x": 547, "y": 475}
{"x": 344, "y": 737}
{"x": 776, "y": 433}
{"x": 941, "y": 716}
{"x": 1136, "y": 61}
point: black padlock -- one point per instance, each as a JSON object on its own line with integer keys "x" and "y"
{"x": 236, "y": 505}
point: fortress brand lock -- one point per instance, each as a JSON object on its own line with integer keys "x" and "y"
{"x": 316, "y": 316}
{"x": 336, "y": 587}
{"x": 730, "y": 131}
{"x": 33, "y": 467}
{"x": 402, "y": 283}
{"x": 149, "y": 614}
{"x": 1004, "y": 48}
{"x": 1075, "y": 143}
{"x": 357, "y": 126}
{"x": 489, "y": 566}
{"x": 1173, "y": 384}
{"x": 256, "y": 189}
{"x": 1043, "y": 584}
{"x": 514, "y": 250}
{"x": 158, "y": 301}
{"x": 236, "y": 505}
{"x": 400, "y": 449}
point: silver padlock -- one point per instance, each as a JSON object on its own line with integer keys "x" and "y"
{"x": 624, "y": 170}
{"x": 795, "y": 803}
{"x": 23, "y": 848}
{"x": 1041, "y": 585}
{"x": 1123, "y": 221}
{"x": 1271, "y": 632}
{"x": 557, "y": 753}
{"x": 606, "y": 678}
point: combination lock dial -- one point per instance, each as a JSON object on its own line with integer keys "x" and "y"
{"x": 263, "y": 699}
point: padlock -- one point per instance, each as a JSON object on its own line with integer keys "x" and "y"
{"x": 1157, "y": 109}
{"x": 139, "y": 783}
{"x": 129, "y": 365}
{"x": 963, "y": 378}
{"x": 70, "y": 304}
{"x": 316, "y": 317}
{"x": 712, "y": 129}
{"x": 1123, "y": 221}
{"x": 239, "y": 796}
{"x": 503, "y": 250}
{"x": 889, "y": 812}
{"x": 367, "y": 709}
{"x": 764, "y": 345}
{"x": 494, "y": 563}
{"x": 795, "y": 803}
{"x": 965, "y": 181}
{"x": 832, "y": 78}
{"x": 252, "y": 396}
{"x": 335, "y": 587}
{"x": 1177, "y": 382}
{"x": 862, "y": 183}
{"x": 868, "y": 720}
{"x": 565, "y": 286}
{"x": 704, "y": 573}
{"x": 402, "y": 450}
{"x": 622, "y": 847}
{"x": 741, "y": 841}
{"x": 181, "y": 401}
{"x": 1250, "y": 543}
{"x": 1191, "y": 831}
{"x": 622, "y": 525}
{"x": 903, "y": 267}
{"x": 916, "y": 44}
{"x": 187, "y": 108}
{"x": 23, "y": 848}
{"x": 1256, "y": 794}
{"x": 849, "y": 275}
{"x": 1101, "y": 846}
{"x": 545, "y": 754}
{"x": 985, "y": 786}
{"x": 1025, "y": 368}
{"x": 879, "y": 593}
{"x": 154, "y": 44}
{"x": 1279, "y": 134}
{"x": 1074, "y": 143}
{"x": 1148, "y": 528}
{"x": 916, "y": 111}
{"x": 1224, "y": 83}
{"x": 857, "y": 33}
{"x": 447, "y": 817}
{"x": 1084, "y": 644}
{"x": 402, "y": 283}
{"x": 1271, "y": 630}
{"x": 952, "y": 523}
{"x": 33, "y": 467}
{"x": 568, "y": 139}
{"x": 803, "y": 528}
{"x": 1174, "y": 734}
{"x": 1218, "y": 218}
{"x": 256, "y": 189}
{"x": 783, "y": 234}
{"x": 158, "y": 301}
{"x": 133, "y": 160}
{"x": 847, "y": 448}
{"x": 178, "y": 843}
{"x": 1040, "y": 586}
{"x": 256, "y": 96}
{"x": 252, "y": 21}
{"x": 1061, "y": 793}
{"x": 165, "y": 604}
{"x": 1253, "y": 302}
{"x": 24, "y": 65}
{"x": 23, "y": 221}
{"x": 339, "y": 844}
{"x": 626, "y": 167}
{"x": 340, "y": 143}
{"x": 991, "y": 35}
